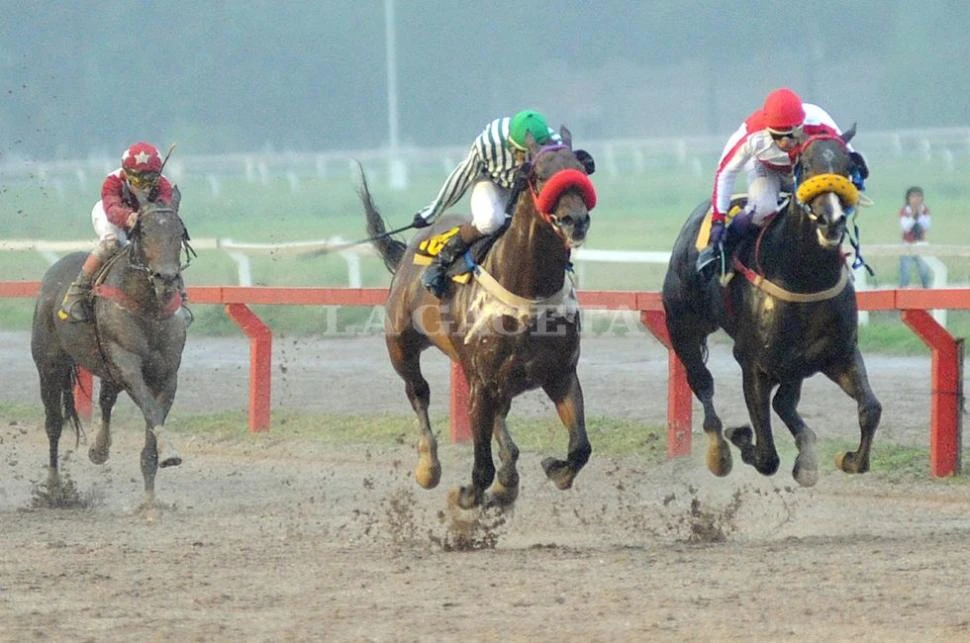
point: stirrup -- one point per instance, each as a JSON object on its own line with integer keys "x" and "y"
{"x": 186, "y": 314}
{"x": 707, "y": 256}
{"x": 76, "y": 307}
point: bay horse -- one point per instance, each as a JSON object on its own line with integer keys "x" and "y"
{"x": 791, "y": 311}
{"x": 133, "y": 344}
{"x": 513, "y": 328}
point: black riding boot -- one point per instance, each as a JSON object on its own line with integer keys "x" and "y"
{"x": 434, "y": 278}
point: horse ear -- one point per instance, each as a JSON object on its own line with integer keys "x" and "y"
{"x": 848, "y": 134}
{"x": 530, "y": 142}
{"x": 566, "y": 136}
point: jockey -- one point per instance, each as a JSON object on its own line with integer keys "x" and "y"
{"x": 490, "y": 170}
{"x": 762, "y": 147}
{"x": 114, "y": 216}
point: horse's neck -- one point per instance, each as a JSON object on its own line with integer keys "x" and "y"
{"x": 793, "y": 255}
{"x": 529, "y": 259}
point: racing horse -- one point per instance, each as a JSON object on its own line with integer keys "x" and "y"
{"x": 791, "y": 311}
{"x": 133, "y": 344}
{"x": 514, "y": 327}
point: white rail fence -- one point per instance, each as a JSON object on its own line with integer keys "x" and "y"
{"x": 615, "y": 157}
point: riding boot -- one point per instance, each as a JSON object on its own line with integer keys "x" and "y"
{"x": 76, "y": 306}
{"x": 435, "y": 278}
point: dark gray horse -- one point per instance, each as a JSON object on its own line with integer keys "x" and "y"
{"x": 134, "y": 344}
{"x": 791, "y": 311}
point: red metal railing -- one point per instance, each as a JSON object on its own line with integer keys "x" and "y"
{"x": 947, "y": 352}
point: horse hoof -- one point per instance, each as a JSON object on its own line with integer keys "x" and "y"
{"x": 464, "y": 498}
{"x": 559, "y": 472}
{"x": 501, "y": 496}
{"x": 805, "y": 470}
{"x": 719, "y": 459}
{"x": 740, "y": 436}
{"x": 428, "y": 477}
{"x": 98, "y": 456}
{"x": 846, "y": 461}
{"x": 169, "y": 459}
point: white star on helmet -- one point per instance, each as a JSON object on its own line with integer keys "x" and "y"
{"x": 142, "y": 157}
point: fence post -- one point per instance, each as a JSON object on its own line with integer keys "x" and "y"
{"x": 946, "y": 391}
{"x": 83, "y": 390}
{"x": 678, "y": 392}
{"x": 260, "y": 359}
{"x": 461, "y": 429}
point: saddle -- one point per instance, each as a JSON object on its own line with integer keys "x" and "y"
{"x": 460, "y": 271}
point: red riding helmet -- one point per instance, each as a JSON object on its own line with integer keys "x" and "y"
{"x": 783, "y": 110}
{"x": 141, "y": 158}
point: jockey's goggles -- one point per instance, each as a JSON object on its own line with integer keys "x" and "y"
{"x": 142, "y": 180}
{"x": 779, "y": 135}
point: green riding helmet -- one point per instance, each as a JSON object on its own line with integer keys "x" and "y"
{"x": 528, "y": 121}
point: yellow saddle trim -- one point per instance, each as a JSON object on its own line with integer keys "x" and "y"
{"x": 430, "y": 247}
{"x": 704, "y": 234}
{"x": 823, "y": 183}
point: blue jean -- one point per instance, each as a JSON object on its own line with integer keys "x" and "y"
{"x": 906, "y": 263}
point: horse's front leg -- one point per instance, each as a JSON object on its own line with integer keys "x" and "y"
{"x": 99, "y": 451}
{"x": 853, "y": 379}
{"x": 505, "y": 489}
{"x": 785, "y": 404}
{"x": 481, "y": 413}
{"x": 158, "y": 449}
{"x": 762, "y": 454}
{"x": 568, "y": 396}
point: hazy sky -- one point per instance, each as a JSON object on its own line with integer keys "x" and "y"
{"x": 88, "y": 77}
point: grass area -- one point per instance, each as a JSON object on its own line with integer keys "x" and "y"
{"x": 638, "y": 211}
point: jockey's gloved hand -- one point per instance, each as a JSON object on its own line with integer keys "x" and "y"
{"x": 420, "y": 221}
{"x": 717, "y": 233}
{"x": 586, "y": 159}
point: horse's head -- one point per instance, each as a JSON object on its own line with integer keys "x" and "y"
{"x": 562, "y": 192}
{"x": 157, "y": 241}
{"x": 824, "y": 192}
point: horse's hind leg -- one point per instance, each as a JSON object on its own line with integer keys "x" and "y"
{"x": 785, "y": 404}
{"x": 53, "y": 380}
{"x": 405, "y": 352}
{"x": 568, "y": 396}
{"x": 852, "y": 379}
{"x": 762, "y": 454}
{"x": 101, "y": 449}
{"x": 505, "y": 489}
{"x": 689, "y": 345}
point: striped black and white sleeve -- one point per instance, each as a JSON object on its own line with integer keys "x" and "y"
{"x": 456, "y": 185}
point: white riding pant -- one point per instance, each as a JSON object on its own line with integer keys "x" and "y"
{"x": 764, "y": 187}
{"x": 488, "y": 202}
{"x": 106, "y": 230}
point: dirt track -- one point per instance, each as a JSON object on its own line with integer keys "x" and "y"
{"x": 274, "y": 538}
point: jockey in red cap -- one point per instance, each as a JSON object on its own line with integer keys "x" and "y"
{"x": 114, "y": 216}
{"x": 760, "y": 147}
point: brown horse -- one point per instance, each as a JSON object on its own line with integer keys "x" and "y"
{"x": 513, "y": 328}
{"x": 134, "y": 344}
{"x": 791, "y": 311}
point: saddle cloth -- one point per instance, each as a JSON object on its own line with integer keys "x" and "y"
{"x": 738, "y": 201}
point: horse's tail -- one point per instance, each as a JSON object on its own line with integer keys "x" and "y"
{"x": 391, "y": 250}
{"x": 67, "y": 398}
